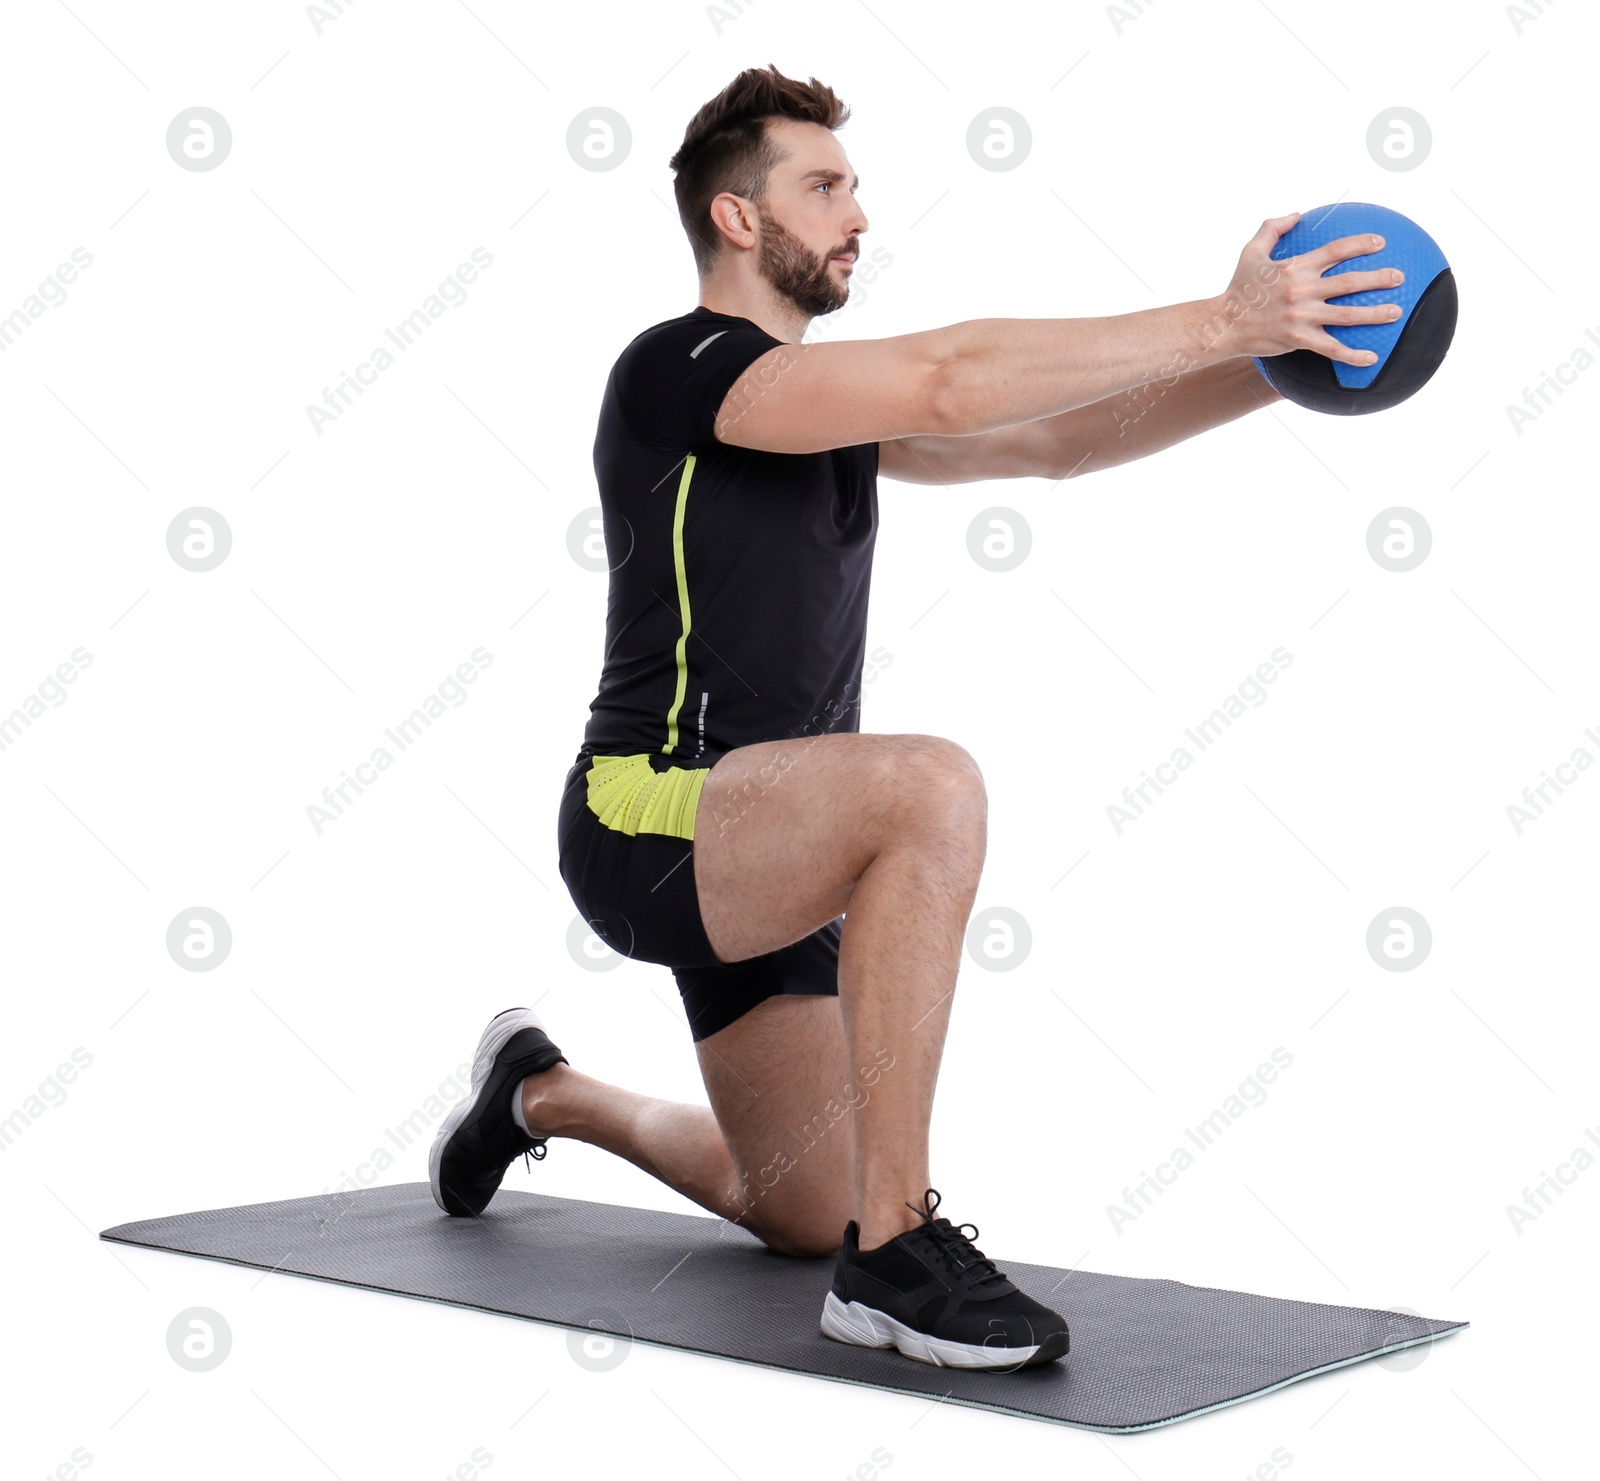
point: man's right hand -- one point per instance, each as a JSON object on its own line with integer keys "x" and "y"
{"x": 1271, "y": 308}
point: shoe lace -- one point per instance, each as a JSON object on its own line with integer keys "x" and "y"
{"x": 955, "y": 1248}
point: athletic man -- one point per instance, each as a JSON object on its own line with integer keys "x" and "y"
{"x": 810, "y": 884}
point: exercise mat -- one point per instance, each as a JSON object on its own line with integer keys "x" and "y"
{"x": 1144, "y": 1352}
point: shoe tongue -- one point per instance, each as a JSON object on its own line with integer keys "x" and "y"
{"x": 983, "y": 1277}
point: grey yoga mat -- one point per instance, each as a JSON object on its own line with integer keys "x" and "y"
{"x": 1144, "y": 1352}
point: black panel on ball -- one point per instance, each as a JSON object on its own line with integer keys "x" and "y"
{"x": 1308, "y": 379}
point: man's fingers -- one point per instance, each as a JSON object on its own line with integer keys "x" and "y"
{"x": 1373, "y": 313}
{"x": 1324, "y": 257}
{"x": 1273, "y": 228}
{"x": 1362, "y": 282}
{"x": 1335, "y": 350}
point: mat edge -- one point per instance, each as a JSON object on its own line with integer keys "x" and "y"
{"x": 997, "y": 1408}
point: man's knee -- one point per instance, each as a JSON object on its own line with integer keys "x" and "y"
{"x": 802, "y": 1219}
{"x": 808, "y": 1241}
{"x": 812, "y": 1251}
{"x": 941, "y": 780}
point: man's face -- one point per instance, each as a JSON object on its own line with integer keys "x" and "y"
{"x": 810, "y": 220}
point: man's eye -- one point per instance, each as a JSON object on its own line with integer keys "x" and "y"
{"x": 823, "y": 184}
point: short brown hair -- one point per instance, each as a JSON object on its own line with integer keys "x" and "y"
{"x": 726, "y": 146}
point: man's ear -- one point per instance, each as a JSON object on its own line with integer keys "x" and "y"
{"x": 734, "y": 217}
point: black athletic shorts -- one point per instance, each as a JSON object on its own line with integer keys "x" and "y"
{"x": 626, "y": 847}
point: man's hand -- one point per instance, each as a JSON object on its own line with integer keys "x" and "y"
{"x": 1272, "y": 307}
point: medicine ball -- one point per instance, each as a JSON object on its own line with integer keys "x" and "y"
{"x": 1409, "y": 348}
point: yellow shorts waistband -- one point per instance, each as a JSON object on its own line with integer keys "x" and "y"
{"x": 626, "y": 793}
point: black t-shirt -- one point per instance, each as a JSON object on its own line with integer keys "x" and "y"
{"x": 739, "y": 579}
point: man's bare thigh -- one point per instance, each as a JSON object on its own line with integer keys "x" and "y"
{"x": 784, "y": 829}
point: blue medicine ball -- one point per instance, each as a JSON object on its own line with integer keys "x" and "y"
{"x": 1409, "y": 348}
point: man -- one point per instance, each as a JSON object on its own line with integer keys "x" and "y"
{"x": 809, "y": 884}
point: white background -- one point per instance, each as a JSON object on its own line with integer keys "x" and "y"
{"x": 368, "y": 561}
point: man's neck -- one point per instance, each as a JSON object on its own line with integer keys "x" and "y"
{"x": 755, "y": 302}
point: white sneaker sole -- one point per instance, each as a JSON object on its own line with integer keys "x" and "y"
{"x": 867, "y": 1327}
{"x": 501, "y": 1027}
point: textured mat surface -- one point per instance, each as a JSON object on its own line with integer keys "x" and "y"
{"x": 1144, "y": 1352}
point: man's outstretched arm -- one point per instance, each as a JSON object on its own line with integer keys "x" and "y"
{"x": 1131, "y": 424}
{"x": 982, "y": 375}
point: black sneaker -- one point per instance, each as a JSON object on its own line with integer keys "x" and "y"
{"x": 935, "y": 1296}
{"x": 480, "y": 1138}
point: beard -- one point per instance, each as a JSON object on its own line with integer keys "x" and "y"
{"x": 798, "y": 273}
